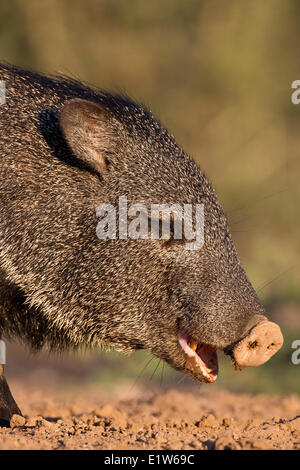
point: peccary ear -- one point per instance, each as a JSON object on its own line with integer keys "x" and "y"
{"x": 86, "y": 127}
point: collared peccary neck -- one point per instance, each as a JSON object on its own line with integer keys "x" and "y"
{"x": 65, "y": 148}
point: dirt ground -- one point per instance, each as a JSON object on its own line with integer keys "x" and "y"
{"x": 63, "y": 409}
{"x": 210, "y": 419}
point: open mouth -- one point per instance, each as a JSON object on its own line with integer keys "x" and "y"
{"x": 202, "y": 359}
{"x": 253, "y": 348}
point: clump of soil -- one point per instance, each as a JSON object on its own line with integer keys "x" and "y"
{"x": 210, "y": 419}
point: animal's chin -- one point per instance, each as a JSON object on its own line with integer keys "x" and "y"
{"x": 201, "y": 359}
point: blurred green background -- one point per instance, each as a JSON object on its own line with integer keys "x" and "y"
{"x": 219, "y": 75}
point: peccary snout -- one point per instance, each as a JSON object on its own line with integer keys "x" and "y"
{"x": 261, "y": 342}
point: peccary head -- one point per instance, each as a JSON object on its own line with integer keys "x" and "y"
{"x": 179, "y": 303}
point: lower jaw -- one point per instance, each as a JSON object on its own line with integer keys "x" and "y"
{"x": 198, "y": 373}
{"x": 201, "y": 359}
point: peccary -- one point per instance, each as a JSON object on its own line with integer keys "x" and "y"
{"x": 65, "y": 148}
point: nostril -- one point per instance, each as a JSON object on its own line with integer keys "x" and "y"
{"x": 255, "y": 344}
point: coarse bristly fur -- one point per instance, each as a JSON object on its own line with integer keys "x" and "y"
{"x": 65, "y": 148}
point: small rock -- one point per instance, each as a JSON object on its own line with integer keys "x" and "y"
{"x": 17, "y": 421}
{"x": 208, "y": 421}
